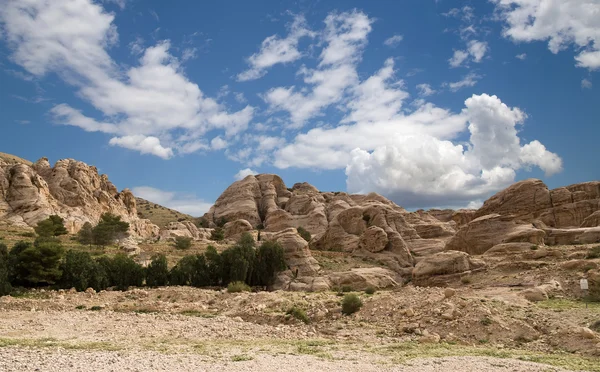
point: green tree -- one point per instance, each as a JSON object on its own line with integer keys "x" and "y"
{"x": 51, "y": 226}
{"x": 182, "y": 273}
{"x": 108, "y": 229}
{"x": 157, "y": 273}
{"x": 238, "y": 262}
{"x": 5, "y": 287}
{"x": 122, "y": 271}
{"x": 269, "y": 261}
{"x": 36, "y": 264}
{"x": 183, "y": 242}
{"x": 85, "y": 236}
{"x": 213, "y": 265}
{"x": 79, "y": 270}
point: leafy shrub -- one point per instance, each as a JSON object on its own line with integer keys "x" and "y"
{"x": 96, "y": 308}
{"x": 27, "y": 234}
{"x": 351, "y": 304}
{"x": 304, "y": 234}
{"x": 370, "y": 290}
{"x": 534, "y": 247}
{"x": 157, "y": 273}
{"x": 5, "y": 287}
{"x": 183, "y": 242}
{"x": 236, "y": 287}
{"x": 85, "y": 236}
{"x": 269, "y": 261}
{"x": 190, "y": 270}
{"x": 81, "y": 271}
{"x": 466, "y": 280}
{"x": 299, "y": 314}
{"x": 217, "y": 234}
{"x": 35, "y": 264}
{"x": 221, "y": 222}
{"x": 346, "y": 289}
{"x": 122, "y": 271}
{"x": 238, "y": 263}
{"x": 594, "y": 252}
{"x": 201, "y": 222}
{"x": 51, "y": 226}
{"x": 486, "y": 321}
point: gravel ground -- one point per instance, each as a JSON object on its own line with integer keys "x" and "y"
{"x": 51, "y": 360}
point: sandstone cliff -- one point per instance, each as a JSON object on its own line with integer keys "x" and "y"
{"x": 70, "y": 189}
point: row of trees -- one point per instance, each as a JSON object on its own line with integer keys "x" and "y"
{"x": 109, "y": 228}
{"x": 45, "y": 263}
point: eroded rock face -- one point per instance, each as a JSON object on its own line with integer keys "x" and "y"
{"x": 487, "y": 231}
{"x": 185, "y": 229}
{"x": 296, "y": 253}
{"x": 70, "y": 189}
{"x": 444, "y": 263}
{"x": 233, "y": 230}
{"x": 565, "y": 207}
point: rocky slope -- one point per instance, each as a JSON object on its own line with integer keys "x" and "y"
{"x": 70, "y": 189}
{"x": 159, "y": 215}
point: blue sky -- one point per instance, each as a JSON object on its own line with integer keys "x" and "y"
{"x": 430, "y": 103}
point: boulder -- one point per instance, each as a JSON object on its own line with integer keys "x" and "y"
{"x": 534, "y": 294}
{"x": 592, "y": 220}
{"x": 444, "y": 263}
{"x": 487, "y": 231}
{"x": 234, "y": 229}
{"x": 374, "y": 239}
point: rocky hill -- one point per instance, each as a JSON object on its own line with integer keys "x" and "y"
{"x": 159, "y": 215}
{"x": 30, "y": 192}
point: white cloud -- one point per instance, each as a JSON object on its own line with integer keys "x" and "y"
{"x": 421, "y": 170}
{"x": 393, "y": 41}
{"x": 243, "y": 173}
{"x": 521, "y": 56}
{"x": 477, "y": 50}
{"x": 275, "y": 50}
{"x": 189, "y": 54}
{"x": 152, "y": 107}
{"x": 183, "y": 203}
{"x": 458, "y": 58}
{"x": 425, "y": 90}
{"x": 467, "y": 81}
{"x": 345, "y": 37}
{"x": 143, "y": 144}
{"x": 561, "y": 22}
{"x": 218, "y": 143}
{"x": 586, "y": 84}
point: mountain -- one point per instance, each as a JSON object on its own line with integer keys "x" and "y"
{"x": 159, "y": 215}
{"x": 30, "y": 192}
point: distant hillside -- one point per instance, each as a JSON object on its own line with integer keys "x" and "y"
{"x": 11, "y": 159}
{"x": 159, "y": 215}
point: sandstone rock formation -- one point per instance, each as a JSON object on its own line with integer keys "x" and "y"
{"x": 296, "y": 252}
{"x": 186, "y": 229}
{"x": 444, "y": 263}
{"x": 489, "y": 230}
{"x": 70, "y": 189}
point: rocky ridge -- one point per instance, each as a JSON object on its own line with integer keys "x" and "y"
{"x": 70, "y": 189}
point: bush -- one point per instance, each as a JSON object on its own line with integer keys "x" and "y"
{"x": 109, "y": 229}
{"x": 594, "y": 252}
{"x": 157, "y": 273}
{"x": 299, "y": 314}
{"x": 351, "y": 304}
{"x": 5, "y": 287}
{"x": 304, "y": 234}
{"x": 201, "y": 222}
{"x": 122, "y": 271}
{"x": 236, "y": 287}
{"x": 190, "y": 270}
{"x": 217, "y": 234}
{"x": 183, "y": 242}
{"x": 347, "y": 288}
{"x": 269, "y": 261}
{"x": 36, "y": 264}
{"x": 85, "y": 236}
{"x": 27, "y": 234}
{"x": 51, "y": 226}
{"x": 238, "y": 262}
{"x": 221, "y": 222}
{"x": 81, "y": 271}
{"x": 370, "y": 290}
